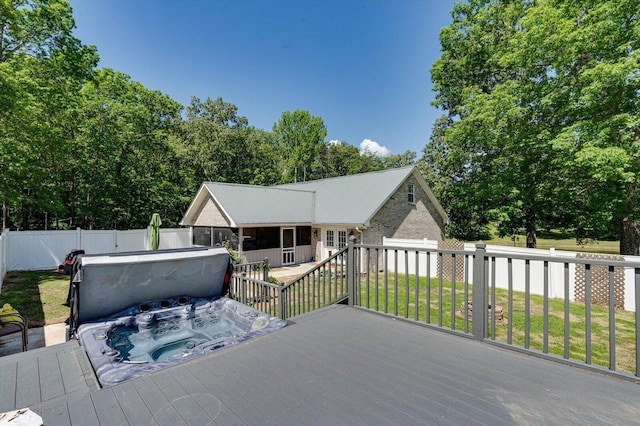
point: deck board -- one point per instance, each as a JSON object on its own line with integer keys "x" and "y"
{"x": 131, "y": 403}
{"x": 28, "y": 383}
{"x": 82, "y": 412}
{"x": 8, "y": 374}
{"x": 52, "y": 385}
{"x": 156, "y": 402}
{"x": 337, "y": 365}
{"x": 108, "y": 407}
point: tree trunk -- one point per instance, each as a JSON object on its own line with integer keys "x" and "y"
{"x": 629, "y": 236}
{"x": 532, "y": 240}
{"x": 4, "y": 216}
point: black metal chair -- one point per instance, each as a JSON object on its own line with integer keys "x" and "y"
{"x": 13, "y": 322}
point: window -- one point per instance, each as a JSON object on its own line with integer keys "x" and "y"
{"x": 260, "y": 238}
{"x": 342, "y": 239}
{"x": 411, "y": 191}
{"x": 303, "y": 236}
{"x": 330, "y": 242}
{"x": 208, "y": 236}
{"x": 202, "y": 236}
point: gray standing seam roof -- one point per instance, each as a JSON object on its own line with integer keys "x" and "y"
{"x": 250, "y": 204}
{"x": 352, "y": 199}
{"x": 346, "y": 200}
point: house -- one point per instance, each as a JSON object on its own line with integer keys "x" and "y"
{"x": 310, "y": 221}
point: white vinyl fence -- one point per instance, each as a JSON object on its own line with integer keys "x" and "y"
{"x": 555, "y": 276}
{"x": 42, "y": 250}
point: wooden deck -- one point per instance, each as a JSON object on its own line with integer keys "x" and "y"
{"x": 339, "y": 365}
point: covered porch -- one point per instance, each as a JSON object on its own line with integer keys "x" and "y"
{"x": 282, "y": 245}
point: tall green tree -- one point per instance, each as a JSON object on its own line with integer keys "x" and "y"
{"x": 42, "y": 68}
{"x": 124, "y": 168}
{"x": 299, "y": 140}
{"x": 542, "y": 106}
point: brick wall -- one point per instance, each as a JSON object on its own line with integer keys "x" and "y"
{"x": 400, "y": 219}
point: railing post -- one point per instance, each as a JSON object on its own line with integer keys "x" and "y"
{"x": 351, "y": 270}
{"x": 265, "y": 272}
{"x": 281, "y": 302}
{"x": 243, "y": 288}
{"x": 479, "y": 313}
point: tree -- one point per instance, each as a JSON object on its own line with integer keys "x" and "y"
{"x": 217, "y": 144}
{"x": 42, "y": 68}
{"x": 542, "y": 108}
{"x": 35, "y": 28}
{"x": 299, "y": 139}
{"x": 124, "y": 168}
{"x": 407, "y": 158}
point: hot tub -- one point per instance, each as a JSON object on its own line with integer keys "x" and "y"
{"x": 140, "y": 312}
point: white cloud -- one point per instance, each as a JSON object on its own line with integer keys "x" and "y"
{"x": 373, "y": 147}
{"x": 335, "y": 142}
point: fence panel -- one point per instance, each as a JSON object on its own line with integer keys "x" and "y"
{"x": 175, "y": 238}
{"x": 38, "y": 250}
{"x": 132, "y": 240}
{"x": 43, "y": 250}
{"x": 99, "y": 241}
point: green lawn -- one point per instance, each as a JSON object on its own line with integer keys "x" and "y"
{"x": 38, "y": 295}
{"x": 440, "y": 313}
{"x": 569, "y": 244}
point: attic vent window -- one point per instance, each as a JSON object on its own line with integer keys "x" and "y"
{"x": 411, "y": 192}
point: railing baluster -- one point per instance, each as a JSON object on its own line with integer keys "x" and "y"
{"x": 545, "y": 309}
{"x": 386, "y": 281}
{"x": 377, "y": 279}
{"x": 395, "y": 282}
{"x": 637, "y": 305}
{"x": 567, "y": 316}
{"x": 465, "y": 311}
{"x": 428, "y": 289}
{"x": 453, "y": 291}
{"x": 527, "y": 301}
{"x": 493, "y": 298}
{"x": 510, "y": 300}
{"x": 406, "y": 284}
{"x": 612, "y": 320}
{"x": 368, "y": 276}
{"x": 587, "y": 308}
{"x": 416, "y": 295}
{"x": 440, "y": 279}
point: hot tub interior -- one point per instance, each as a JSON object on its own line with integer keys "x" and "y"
{"x": 135, "y": 313}
{"x": 155, "y": 334}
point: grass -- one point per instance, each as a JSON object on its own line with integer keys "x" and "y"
{"x": 441, "y": 313}
{"x": 559, "y": 243}
{"x": 38, "y": 295}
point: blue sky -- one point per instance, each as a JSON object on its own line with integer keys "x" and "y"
{"x": 362, "y": 66}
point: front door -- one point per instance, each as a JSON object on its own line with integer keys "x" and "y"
{"x": 288, "y": 246}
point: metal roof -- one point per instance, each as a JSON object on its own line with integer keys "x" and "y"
{"x": 250, "y": 204}
{"x": 345, "y": 200}
{"x": 352, "y": 199}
